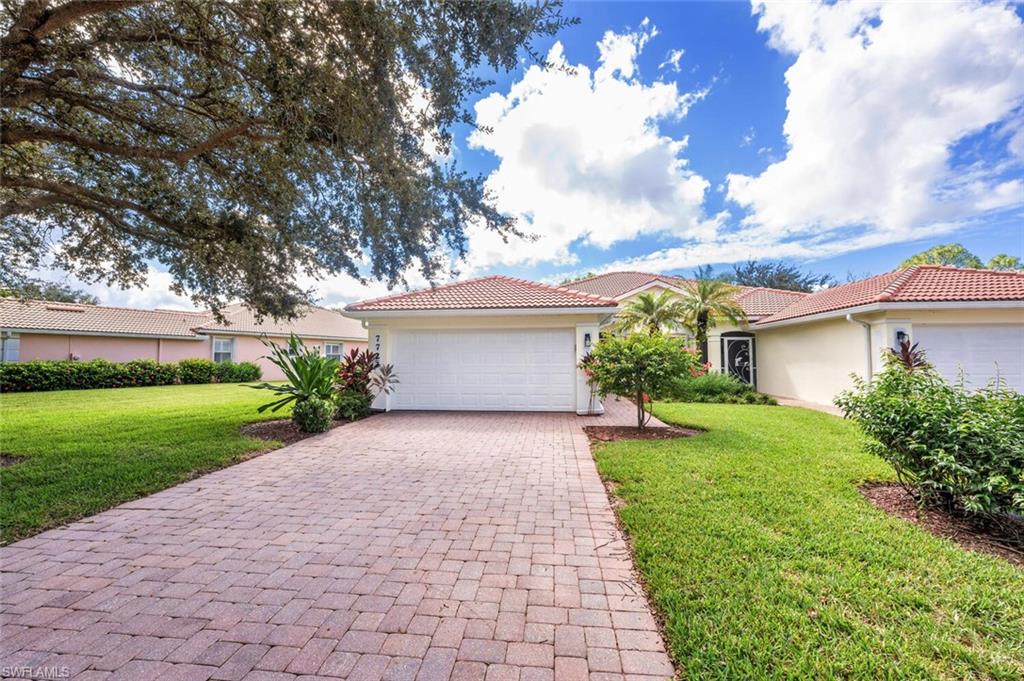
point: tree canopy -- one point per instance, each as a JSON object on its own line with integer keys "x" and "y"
{"x": 778, "y": 274}
{"x": 245, "y": 144}
{"x": 38, "y": 289}
{"x": 662, "y": 313}
{"x": 705, "y": 303}
{"x": 957, "y": 255}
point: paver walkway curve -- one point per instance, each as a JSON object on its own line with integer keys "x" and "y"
{"x": 406, "y": 546}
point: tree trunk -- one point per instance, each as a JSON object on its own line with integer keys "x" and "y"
{"x": 640, "y": 410}
{"x": 702, "y": 336}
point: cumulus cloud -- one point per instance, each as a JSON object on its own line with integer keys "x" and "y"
{"x": 582, "y": 159}
{"x": 879, "y": 95}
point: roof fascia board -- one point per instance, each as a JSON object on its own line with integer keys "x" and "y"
{"x": 912, "y": 305}
{"x": 275, "y": 334}
{"x": 482, "y": 312}
{"x": 102, "y": 334}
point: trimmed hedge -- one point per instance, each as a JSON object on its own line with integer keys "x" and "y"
{"x": 38, "y": 375}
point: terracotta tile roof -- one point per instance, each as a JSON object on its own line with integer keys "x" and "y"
{"x": 615, "y": 284}
{"x": 485, "y": 293}
{"x": 761, "y": 302}
{"x": 45, "y": 315}
{"x": 756, "y": 302}
{"x": 315, "y": 322}
{"x": 923, "y": 283}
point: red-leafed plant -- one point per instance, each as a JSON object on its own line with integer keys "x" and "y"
{"x": 909, "y": 356}
{"x": 360, "y": 377}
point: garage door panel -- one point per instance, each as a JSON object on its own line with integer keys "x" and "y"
{"x": 485, "y": 370}
{"x": 980, "y": 351}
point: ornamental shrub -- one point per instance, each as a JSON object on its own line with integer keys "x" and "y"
{"x": 640, "y": 366}
{"x": 961, "y": 448}
{"x": 243, "y": 372}
{"x": 313, "y": 414}
{"x": 715, "y": 387}
{"x": 41, "y": 375}
{"x": 149, "y": 372}
{"x": 352, "y": 405}
{"x": 196, "y": 370}
{"x": 309, "y": 374}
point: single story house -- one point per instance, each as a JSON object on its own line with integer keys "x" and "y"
{"x": 39, "y": 329}
{"x": 494, "y": 343}
{"x": 498, "y": 343}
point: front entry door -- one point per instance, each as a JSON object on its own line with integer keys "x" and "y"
{"x": 739, "y": 359}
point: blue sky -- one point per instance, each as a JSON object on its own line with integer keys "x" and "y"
{"x": 842, "y": 137}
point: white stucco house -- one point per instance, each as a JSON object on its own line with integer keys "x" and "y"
{"x": 498, "y": 343}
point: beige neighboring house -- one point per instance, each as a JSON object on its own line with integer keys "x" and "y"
{"x": 38, "y": 329}
{"x": 806, "y": 346}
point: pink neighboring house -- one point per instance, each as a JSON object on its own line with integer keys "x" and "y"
{"x": 39, "y": 329}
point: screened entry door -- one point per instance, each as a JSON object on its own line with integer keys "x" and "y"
{"x": 739, "y": 359}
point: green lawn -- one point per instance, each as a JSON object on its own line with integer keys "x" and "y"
{"x": 88, "y": 450}
{"x": 766, "y": 563}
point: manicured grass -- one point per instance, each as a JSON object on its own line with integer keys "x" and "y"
{"x": 88, "y": 450}
{"x": 766, "y": 562}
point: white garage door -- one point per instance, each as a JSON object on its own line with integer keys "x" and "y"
{"x": 982, "y": 351}
{"x": 514, "y": 370}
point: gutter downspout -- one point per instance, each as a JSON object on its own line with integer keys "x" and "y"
{"x": 867, "y": 345}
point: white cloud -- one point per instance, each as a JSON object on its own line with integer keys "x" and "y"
{"x": 581, "y": 157}
{"x": 672, "y": 59}
{"x": 878, "y": 95}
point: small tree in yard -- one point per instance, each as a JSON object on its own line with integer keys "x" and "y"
{"x": 640, "y": 366}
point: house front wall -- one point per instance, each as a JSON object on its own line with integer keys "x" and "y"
{"x": 38, "y": 346}
{"x": 813, "y": 361}
{"x": 44, "y": 346}
{"x": 382, "y": 330}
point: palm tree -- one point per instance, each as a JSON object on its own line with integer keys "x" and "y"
{"x": 704, "y": 303}
{"x": 657, "y": 314}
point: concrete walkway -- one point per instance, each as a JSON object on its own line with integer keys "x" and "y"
{"x": 406, "y": 546}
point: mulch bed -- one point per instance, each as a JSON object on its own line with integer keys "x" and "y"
{"x": 971, "y": 534}
{"x": 615, "y": 433}
{"x": 282, "y": 430}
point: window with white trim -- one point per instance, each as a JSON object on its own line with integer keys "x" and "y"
{"x": 10, "y": 347}
{"x": 334, "y": 350}
{"x": 223, "y": 349}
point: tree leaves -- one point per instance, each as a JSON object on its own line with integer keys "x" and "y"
{"x": 242, "y": 145}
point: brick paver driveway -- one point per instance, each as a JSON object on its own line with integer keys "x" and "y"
{"x": 406, "y": 546}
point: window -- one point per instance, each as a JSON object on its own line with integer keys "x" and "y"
{"x": 223, "y": 349}
{"x": 11, "y": 346}
{"x": 335, "y": 350}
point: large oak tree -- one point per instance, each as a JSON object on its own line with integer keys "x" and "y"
{"x": 243, "y": 144}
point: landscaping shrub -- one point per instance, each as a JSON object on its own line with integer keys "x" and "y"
{"x": 42, "y": 375}
{"x": 149, "y": 372}
{"x": 351, "y": 405}
{"x": 243, "y": 372}
{"x": 949, "y": 445}
{"x": 196, "y": 370}
{"x": 310, "y": 377}
{"x": 640, "y": 366}
{"x": 313, "y": 414}
{"x": 360, "y": 378}
{"x": 715, "y": 388}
